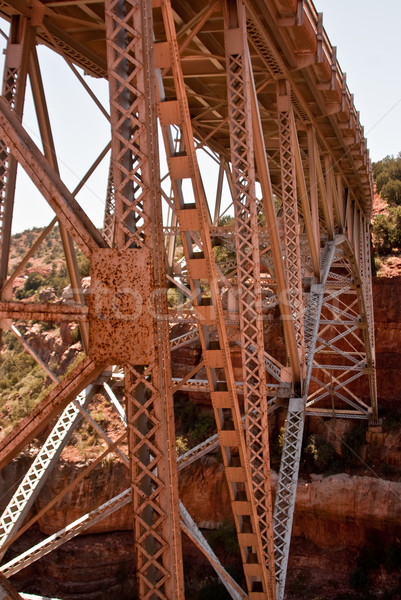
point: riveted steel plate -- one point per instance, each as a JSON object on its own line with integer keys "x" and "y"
{"x": 120, "y": 310}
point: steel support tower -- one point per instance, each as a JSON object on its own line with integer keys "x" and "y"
{"x": 255, "y": 86}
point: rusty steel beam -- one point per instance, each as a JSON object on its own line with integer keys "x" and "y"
{"x": 202, "y": 83}
{"x": 138, "y": 245}
{"x": 19, "y": 48}
{"x": 48, "y": 408}
{"x": 271, "y": 220}
{"x": 248, "y": 271}
{"x": 48, "y": 183}
{"x": 40, "y": 311}
{"x": 194, "y": 222}
{"x": 290, "y": 210}
{"x": 50, "y": 153}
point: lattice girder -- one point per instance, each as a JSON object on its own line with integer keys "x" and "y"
{"x": 138, "y": 224}
{"x": 330, "y": 347}
{"x": 248, "y": 269}
{"x": 290, "y": 207}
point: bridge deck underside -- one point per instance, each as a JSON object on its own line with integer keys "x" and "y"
{"x": 282, "y": 43}
{"x": 257, "y": 85}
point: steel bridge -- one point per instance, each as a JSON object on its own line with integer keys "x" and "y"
{"x": 255, "y": 86}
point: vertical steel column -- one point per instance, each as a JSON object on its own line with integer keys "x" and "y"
{"x": 290, "y": 209}
{"x": 139, "y": 231}
{"x": 274, "y": 238}
{"x": 50, "y": 153}
{"x": 289, "y": 468}
{"x": 313, "y": 188}
{"x": 248, "y": 268}
{"x": 193, "y": 218}
{"x": 314, "y": 243}
{"x": 109, "y": 209}
{"x": 20, "y": 44}
{"x": 217, "y": 206}
{"x": 287, "y": 489}
{"x": 367, "y": 278}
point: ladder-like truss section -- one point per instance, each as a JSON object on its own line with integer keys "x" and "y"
{"x": 218, "y": 109}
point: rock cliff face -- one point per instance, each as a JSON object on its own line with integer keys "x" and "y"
{"x": 387, "y": 313}
{"x": 335, "y": 516}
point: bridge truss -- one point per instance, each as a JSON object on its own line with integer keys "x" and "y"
{"x": 257, "y": 88}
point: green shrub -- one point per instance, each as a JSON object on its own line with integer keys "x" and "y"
{"x": 391, "y": 191}
{"x": 33, "y": 282}
{"x": 175, "y": 297}
{"x": 223, "y": 254}
{"x": 83, "y": 264}
{"x": 276, "y": 448}
{"x": 386, "y": 171}
{"x": 57, "y": 278}
{"x": 76, "y": 334}
{"x": 21, "y": 383}
{"x": 322, "y": 455}
{"x": 386, "y": 231}
{"x": 181, "y": 444}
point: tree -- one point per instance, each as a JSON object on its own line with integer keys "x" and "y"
{"x": 391, "y": 191}
{"x": 386, "y": 230}
{"x": 387, "y": 174}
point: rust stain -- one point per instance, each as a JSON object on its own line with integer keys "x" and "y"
{"x": 120, "y": 317}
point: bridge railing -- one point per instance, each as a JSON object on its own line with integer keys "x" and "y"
{"x": 326, "y": 53}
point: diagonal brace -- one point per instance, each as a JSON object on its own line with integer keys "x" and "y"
{"x": 68, "y": 211}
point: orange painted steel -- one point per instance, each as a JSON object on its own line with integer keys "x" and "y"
{"x": 257, "y": 86}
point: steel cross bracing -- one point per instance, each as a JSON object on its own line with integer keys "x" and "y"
{"x": 248, "y": 269}
{"x": 193, "y": 222}
{"x": 138, "y": 237}
{"x": 290, "y": 208}
{"x": 109, "y": 209}
{"x": 16, "y": 510}
{"x": 287, "y": 484}
{"x": 80, "y": 525}
{"x": 268, "y": 113}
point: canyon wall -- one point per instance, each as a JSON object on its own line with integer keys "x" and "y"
{"x": 335, "y": 516}
{"x": 387, "y": 314}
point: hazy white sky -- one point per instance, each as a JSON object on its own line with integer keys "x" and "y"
{"x": 368, "y": 49}
{"x": 368, "y": 40}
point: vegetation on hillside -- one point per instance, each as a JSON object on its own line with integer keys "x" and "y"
{"x": 386, "y": 227}
{"x": 22, "y": 381}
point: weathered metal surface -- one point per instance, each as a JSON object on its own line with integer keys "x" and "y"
{"x": 40, "y": 311}
{"x": 138, "y": 231}
{"x": 120, "y": 309}
{"x": 216, "y": 90}
{"x": 248, "y": 272}
{"x": 48, "y": 182}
